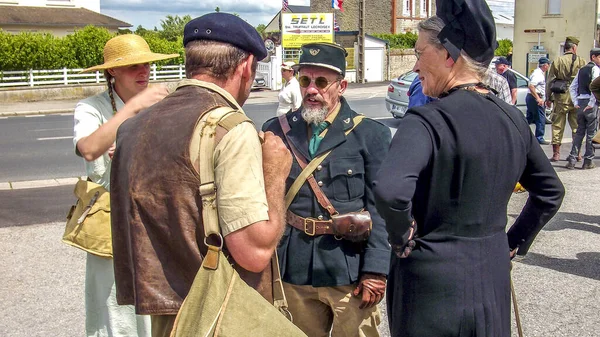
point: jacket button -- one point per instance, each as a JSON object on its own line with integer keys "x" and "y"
{"x": 349, "y": 172}
{"x": 319, "y": 168}
{"x": 320, "y": 183}
{"x": 320, "y": 217}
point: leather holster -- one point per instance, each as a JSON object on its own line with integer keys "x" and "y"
{"x": 353, "y": 226}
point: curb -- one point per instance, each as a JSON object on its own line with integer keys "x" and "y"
{"x": 21, "y": 185}
{"x": 36, "y": 112}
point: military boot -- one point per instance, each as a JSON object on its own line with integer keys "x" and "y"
{"x": 555, "y": 152}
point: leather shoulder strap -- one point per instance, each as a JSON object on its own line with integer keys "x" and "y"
{"x": 308, "y": 169}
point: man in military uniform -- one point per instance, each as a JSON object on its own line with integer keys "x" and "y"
{"x": 157, "y": 224}
{"x": 563, "y": 68}
{"x": 332, "y": 283}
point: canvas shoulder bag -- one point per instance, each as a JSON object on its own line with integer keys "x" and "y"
{"x": 220, "y": 303}
{"x": 562, "y": 86}
{"x": 88, "y": 221}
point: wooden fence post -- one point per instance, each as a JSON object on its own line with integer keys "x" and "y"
{"x": 66, "y": 80}
{"x": 154, "y": 71}
{"x": 31, "y": 77}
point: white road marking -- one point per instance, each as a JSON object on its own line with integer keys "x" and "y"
{"x": 55, "y": 138}
{"x": 3, "y": 117}
{"x": 32, "y": 116}
{"x": 40, "y": 130}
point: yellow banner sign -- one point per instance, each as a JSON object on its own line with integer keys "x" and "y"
{"x": 299, "y": 28}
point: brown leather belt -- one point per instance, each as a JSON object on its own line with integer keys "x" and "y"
{"x": 310, "y": 226}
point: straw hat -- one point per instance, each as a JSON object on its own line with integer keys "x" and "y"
{"x": 128, "y": 49}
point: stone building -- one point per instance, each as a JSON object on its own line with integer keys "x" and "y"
{"x": 381, "y": 16}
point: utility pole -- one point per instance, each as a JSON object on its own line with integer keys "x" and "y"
{"x": 360, "y": 70}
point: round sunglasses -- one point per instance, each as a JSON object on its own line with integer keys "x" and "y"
{"x": 320, "y": 82}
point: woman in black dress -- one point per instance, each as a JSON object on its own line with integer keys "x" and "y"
{"x": 446, "y": 182}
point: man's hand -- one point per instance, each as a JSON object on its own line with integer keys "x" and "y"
{"x": 576, "y": 106}
{"x": 587, "y": 108}
{"x": 277, "y": 160}
{"x": 540, "y": 102}
{"x": 372, "y": 287}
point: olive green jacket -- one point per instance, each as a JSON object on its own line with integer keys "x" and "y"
{"x": 560, "y": 70}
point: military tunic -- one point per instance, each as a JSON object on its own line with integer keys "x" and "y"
{"x": 346, "y": 177}
{"x": 563, "y": 106}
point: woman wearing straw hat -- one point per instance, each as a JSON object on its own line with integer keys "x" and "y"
{"x": 97, "y": 118}
{"x": 289, "y": 97}
{"x": 445, "y": 184}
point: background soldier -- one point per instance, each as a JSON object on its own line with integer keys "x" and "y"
{"x": 563, "y": 106}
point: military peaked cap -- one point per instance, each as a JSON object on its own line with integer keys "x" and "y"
{"x": 326, "y": 55}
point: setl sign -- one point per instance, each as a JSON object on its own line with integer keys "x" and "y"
{"x": 298, "y": 28}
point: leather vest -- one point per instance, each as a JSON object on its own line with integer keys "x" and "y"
{"x": 584, "y": 79}
{"x": 158, "y": 235}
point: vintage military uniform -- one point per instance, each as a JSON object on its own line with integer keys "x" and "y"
{"x": 324, "y": 266}
{"x": 563, "y": 106}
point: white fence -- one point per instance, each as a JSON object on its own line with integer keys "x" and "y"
{"x": 66, "y": 76}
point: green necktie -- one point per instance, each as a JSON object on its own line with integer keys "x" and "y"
{"x": 315, "y": 140}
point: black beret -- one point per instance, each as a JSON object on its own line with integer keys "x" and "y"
{"x": 326, "y": 55}
{"x": 228, "y": 28}
{"x": 469, "y": 26}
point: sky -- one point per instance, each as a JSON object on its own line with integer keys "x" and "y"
{"x": 148, "y": 13}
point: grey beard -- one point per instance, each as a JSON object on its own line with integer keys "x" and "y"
{"x": 314, "y": 116}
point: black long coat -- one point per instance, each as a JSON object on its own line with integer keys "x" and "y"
{"x": 452, "y": 166}
{"x": 347, "y": 175}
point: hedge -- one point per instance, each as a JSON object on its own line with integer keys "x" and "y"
{"x": 399, "y": 41}
{"x": 81, "y": 49}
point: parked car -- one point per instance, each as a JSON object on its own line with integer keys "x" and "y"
{"x": 396, "y": 100}
{"x": 259, "y": 81}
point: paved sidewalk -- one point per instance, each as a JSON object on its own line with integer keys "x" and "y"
{"x": 257, "y": 96}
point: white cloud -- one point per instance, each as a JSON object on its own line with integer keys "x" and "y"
{"x": 148, "y": 13}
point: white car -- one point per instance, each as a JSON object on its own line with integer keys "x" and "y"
{"x": 396, "y": 100}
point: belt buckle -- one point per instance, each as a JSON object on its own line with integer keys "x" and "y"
{"x": 314, "y": 225}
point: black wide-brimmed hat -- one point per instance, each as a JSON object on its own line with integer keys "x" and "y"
{"x": 325, "y": 55}
{"x": 469, "y": 26}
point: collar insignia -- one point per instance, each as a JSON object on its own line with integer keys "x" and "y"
{"x": 314, "y": 52}
{"x": 295, "y": 119}
{"x": 347, "y": 120}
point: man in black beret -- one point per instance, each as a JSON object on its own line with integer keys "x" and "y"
{"x": 157, "y": 216}
{"x": 333, "y": 279}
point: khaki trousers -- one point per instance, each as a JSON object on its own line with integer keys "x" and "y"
{"x": 162, "y": 325}
{"x": 319, "y": 311}
{"x": 559, "y": 118}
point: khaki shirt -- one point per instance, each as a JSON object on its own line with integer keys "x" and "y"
{"x": 241, "y": 197}
{"x": 560, "y": 70}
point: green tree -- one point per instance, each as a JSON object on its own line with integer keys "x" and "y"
{"x": 217, "y": 9}
{"x": 172, "y": 26}
{"x": 85, "y": 47}
{"x": 399, "y": 41}
{"x": 504, "y": 46}
{"x": 261, "y": 29}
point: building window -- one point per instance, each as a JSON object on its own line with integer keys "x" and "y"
{"x": 425, "y": 8}
{"x": 406, "y": 7}
{"x": 553, "y": 7}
